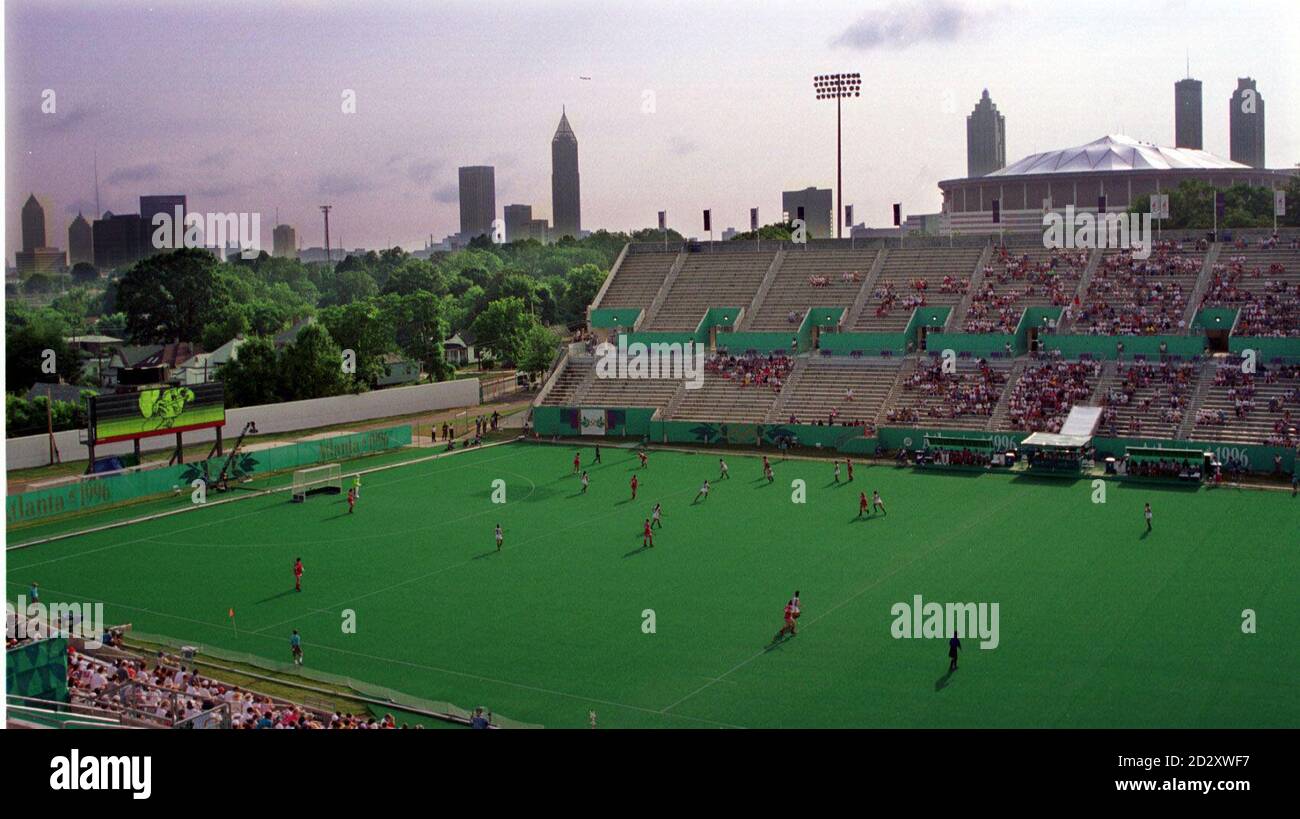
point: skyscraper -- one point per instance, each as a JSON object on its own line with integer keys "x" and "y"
{"x": 566, "y": 199}
{"x": 518, "y": 218}
{"x": 478, "y": 201}
{"x": 1246, "y": 124}
{"x": 33, "y": 224}
{"x": 117, "y": 240}
{"x": 986, "y": 138}
{"x": 1187, "y": 114}
{"x": 81, "y": 244}
{"x": 284, "y": 242}
{"x": 153, "y": 205}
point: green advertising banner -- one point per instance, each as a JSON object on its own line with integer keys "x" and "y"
{"x": 38, "y": 670}
{"x": 101, "y": 492}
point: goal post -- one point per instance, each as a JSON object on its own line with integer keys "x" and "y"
{"x": 323, "y": 478}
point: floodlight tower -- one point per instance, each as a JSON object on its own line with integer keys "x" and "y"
{"x": 838, "y": 87}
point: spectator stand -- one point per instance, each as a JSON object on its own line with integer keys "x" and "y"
{"x": 1166, "y": 465}
{"x": 964, "y": 453}
{"x": 1047, "y": 453}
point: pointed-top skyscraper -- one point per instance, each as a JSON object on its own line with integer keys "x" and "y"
{"x": 81, "y": 243}
{"x": 986, "y": 138}
{"x": 566, "y": 199}
{"x": 33, "y": 224}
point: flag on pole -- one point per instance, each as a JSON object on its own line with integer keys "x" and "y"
{"x": 1101, "y": 203}
{"x": 997, "y": 212}
{"x": 1279, "y": 203}
{"x": 753, "y": 218}
{"x": 848, "y": 215}
{"x": 898, "y": 214}
{"x": 663, "y": 220}
{"x": 707, "y": 221}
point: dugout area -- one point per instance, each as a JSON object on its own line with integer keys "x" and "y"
{"x": 1100, "y": 624}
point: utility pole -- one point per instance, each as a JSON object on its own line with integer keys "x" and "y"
{"x": 325, "y": 209}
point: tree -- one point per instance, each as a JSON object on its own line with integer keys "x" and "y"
{"x": 360, "y": 326}
{"x": 34, "y": 345}
{"x": 412, "y": 276}
{"x": 351, "y": 284}
{"x": 537, "y": 349}
{"x": 217, "y": 333}
{"x": 313, "y": 366}
{"x": 84, "y": 273}
{"x": 500, "y": 328}
{"x": 775, "y": 232}
{"x": 253, "y": 376}
{"x": 583, "y": 284}
{"x": 419, "y": 329}
{"x": 172, "y": 296}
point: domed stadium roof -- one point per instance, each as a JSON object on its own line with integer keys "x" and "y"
{"x": 1117, "y": 153}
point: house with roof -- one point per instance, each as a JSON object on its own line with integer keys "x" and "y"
{"x": 203, "y": 367}
{"x": 459, "y": 350}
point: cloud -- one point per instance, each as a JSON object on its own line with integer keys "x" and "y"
{"x": 134, "y": 173}
{"x": 447, "y": 194}
{"x": 217, "y": 159}
{"x": 910, "y": 24}
{"x": 62, "y": 120}
{"x": 421, "y": 172}
{"x": 681, "y": 146}
{"x": 342, "y": 184}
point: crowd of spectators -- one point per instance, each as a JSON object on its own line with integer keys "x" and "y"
{"x": 995, "y": 309}
{"x": 1168, "y": 389}
{"x": 950, "y": 394}
{"x": 1132, "y": 296}
{"x": 1041, "y": 399}
{"x": 167, "y": 694}
{"x": 751, "y": 369}
{"x": 1269, "y": 302}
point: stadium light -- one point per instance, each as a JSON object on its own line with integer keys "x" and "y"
{"x": 838, "y": 87}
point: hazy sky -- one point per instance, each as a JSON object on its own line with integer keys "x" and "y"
{"x": 689, "y": 105}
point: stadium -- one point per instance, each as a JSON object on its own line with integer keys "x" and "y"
{"x": 1119, "y": 169}
{"x": 1015, "y": 410}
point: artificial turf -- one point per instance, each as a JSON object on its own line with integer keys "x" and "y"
{"x": 1100, "y": 624}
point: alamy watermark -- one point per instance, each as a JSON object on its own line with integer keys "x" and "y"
{"x": 1098, "y": 231}
{"x": 83, "y": 621}
{"x": 938, "y": 621}
{"x": 204, "y": 230}
{"x": 656, "y": 360}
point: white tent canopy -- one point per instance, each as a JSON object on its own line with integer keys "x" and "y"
{"x": 1052, "y": 439}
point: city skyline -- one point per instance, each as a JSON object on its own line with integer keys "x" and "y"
{"x": 727, "y": 129}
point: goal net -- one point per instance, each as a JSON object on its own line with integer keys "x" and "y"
{"x": 324, "y": 478}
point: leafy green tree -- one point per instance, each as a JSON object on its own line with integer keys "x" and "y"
{"x": 253, "y": 376}
{"x": 313, "y": 366}
{"x": 84, "y": 273}
{"x": 583, "y": 284}
{"x": 537, "y": 349}
{"x": 172, "y": 296}
{"x": 217, "y": 333}
{"x": 362, "y": 327}
{"x": 776, "y": 232}
{"x": 501, "y": 327}
{"x": 26, "y": 359}
{"x": 419, "y": 330}
{"x": 412, "y": 276}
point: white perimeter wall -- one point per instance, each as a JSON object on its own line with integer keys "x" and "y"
{"x": 34, "y": 450}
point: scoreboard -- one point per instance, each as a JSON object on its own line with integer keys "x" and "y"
{"x": 157, "y": 410}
